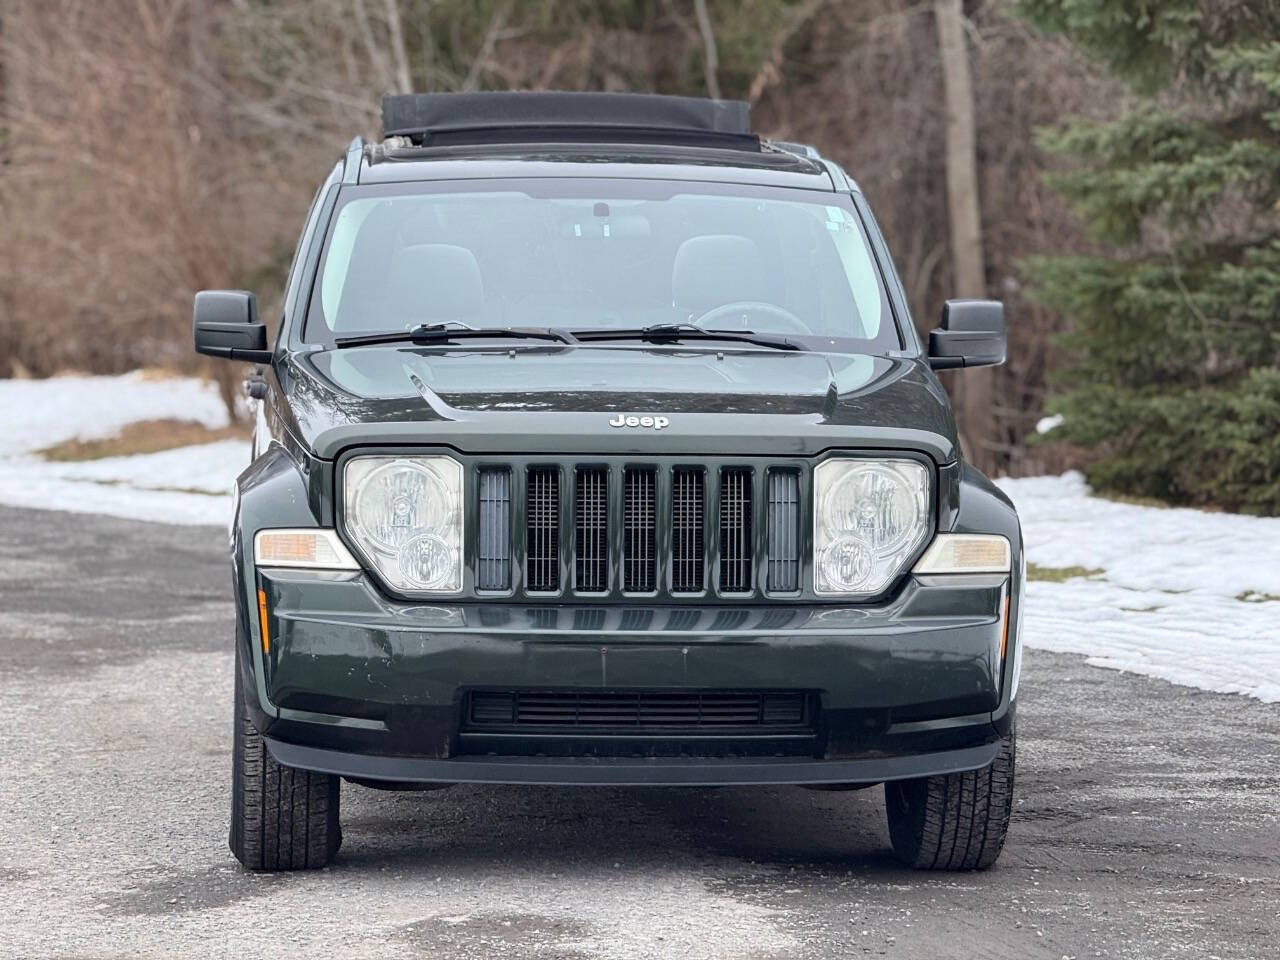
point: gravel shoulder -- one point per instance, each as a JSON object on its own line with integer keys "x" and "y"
{"x": 1147, "y": 821}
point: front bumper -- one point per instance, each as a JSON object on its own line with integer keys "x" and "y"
{"x": 355, "y": 684}
{"x": 631, "y": 771}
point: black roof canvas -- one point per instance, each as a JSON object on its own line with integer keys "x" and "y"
{"x": 447, "y": 119}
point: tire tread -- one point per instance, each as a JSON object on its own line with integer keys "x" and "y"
{"x": 281, "y": 818}
{"x": 955, "y": 821}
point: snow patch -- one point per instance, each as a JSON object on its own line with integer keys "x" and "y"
{"x": 23, "y": 483}
{"x": 1168, "y": 601}
{"x": 205, "y": 468}
{"x": 189, "y": 485}
{"x": 40, "y": 413}
{"x": 1145, "y": 548}
{"x": 1048, "y": 424}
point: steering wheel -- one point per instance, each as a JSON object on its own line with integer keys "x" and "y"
{"x": 790, "y": 323}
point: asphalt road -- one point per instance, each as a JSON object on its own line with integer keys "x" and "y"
{"x": 1146, "y": 823}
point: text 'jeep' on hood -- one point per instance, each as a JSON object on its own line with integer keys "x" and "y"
{"x": 596, "y": 445}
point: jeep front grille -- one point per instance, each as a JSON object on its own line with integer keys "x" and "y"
{"x": 617, "y": 528}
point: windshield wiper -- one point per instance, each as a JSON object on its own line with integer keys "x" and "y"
{"x": 433, "y": 333}
{"x": 671, "y": 332}
{"x": 429, "y": 333}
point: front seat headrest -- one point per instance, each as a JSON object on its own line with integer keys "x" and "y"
{"x": 433, "y": 282}
{"x": 719, "y": 268}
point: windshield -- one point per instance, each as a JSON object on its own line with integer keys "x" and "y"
{"x": 600, "y": 254}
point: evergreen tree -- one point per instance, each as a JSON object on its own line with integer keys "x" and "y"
{"x": 1175, "y": 335}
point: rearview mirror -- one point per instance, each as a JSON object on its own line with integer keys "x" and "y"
{"x": 971, "y": 335}
{"x": 226, "y": 325}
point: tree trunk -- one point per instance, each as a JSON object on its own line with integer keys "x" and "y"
{"x": 974, "y": 387}
{"x": 229, "y": 378}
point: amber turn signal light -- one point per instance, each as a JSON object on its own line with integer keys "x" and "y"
{"x": 316, "y": 548}
{"x": 262, "y": 622}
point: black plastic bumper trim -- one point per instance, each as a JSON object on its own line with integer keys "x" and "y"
{"x": 687, "y": 772}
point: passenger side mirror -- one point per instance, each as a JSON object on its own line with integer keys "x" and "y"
{"x": 971, "y": 335}
{"x": 226, "y": 325}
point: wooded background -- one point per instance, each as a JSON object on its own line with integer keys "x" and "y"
{"x": 151, "y": 148}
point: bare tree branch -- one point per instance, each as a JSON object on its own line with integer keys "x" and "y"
{"x": 496, "y": 23}
{"x": 710, "y": 55}
{"x": 372, "y": 50}
{"x": 770, "y": 71}
{"x": 398, "y": 53}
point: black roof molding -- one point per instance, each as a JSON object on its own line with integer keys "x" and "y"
{"x": 452, "y": 119}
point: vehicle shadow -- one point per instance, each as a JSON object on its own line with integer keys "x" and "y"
{"x": 546, "y": 829}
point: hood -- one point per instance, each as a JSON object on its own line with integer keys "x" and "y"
{"x": 576, "y": 399}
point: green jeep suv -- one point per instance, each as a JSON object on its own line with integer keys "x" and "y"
{"x": 596, "y": 445}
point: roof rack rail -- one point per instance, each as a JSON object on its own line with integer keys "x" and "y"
{"x": 453, "y": 119}
{"x": 800, "y": 149}
{"x": 351, "y": 161}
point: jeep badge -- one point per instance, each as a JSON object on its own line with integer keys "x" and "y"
{"x": 656, "y": 422}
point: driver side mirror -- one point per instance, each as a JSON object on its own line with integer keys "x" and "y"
{"x": 971, "y": 335}
{"x": 225, "y": 324}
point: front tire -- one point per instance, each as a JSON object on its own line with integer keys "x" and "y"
{"x": 956, "y": 821}
{"x": 281, "y": 818}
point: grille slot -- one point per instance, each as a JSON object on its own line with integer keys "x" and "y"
{"x": 542, "y": 556}
{"x": 492, "y": 709}
{"x": 782, "y": 708}
{"x": 735, "y": 530}
{"x": 493, "y": 551}
{"x": 591, "y": 530}
{"x": 784, "y": 530}
{"x": 690, "y": 709}
{"x": 639, "y": 550}
{"x": 688, "y": 495}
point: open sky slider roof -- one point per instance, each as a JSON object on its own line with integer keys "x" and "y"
{"x": 451, "y": 119}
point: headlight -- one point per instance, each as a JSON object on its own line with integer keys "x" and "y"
{"x": 404, "y": 514}
{"x": 871, "y": 515}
